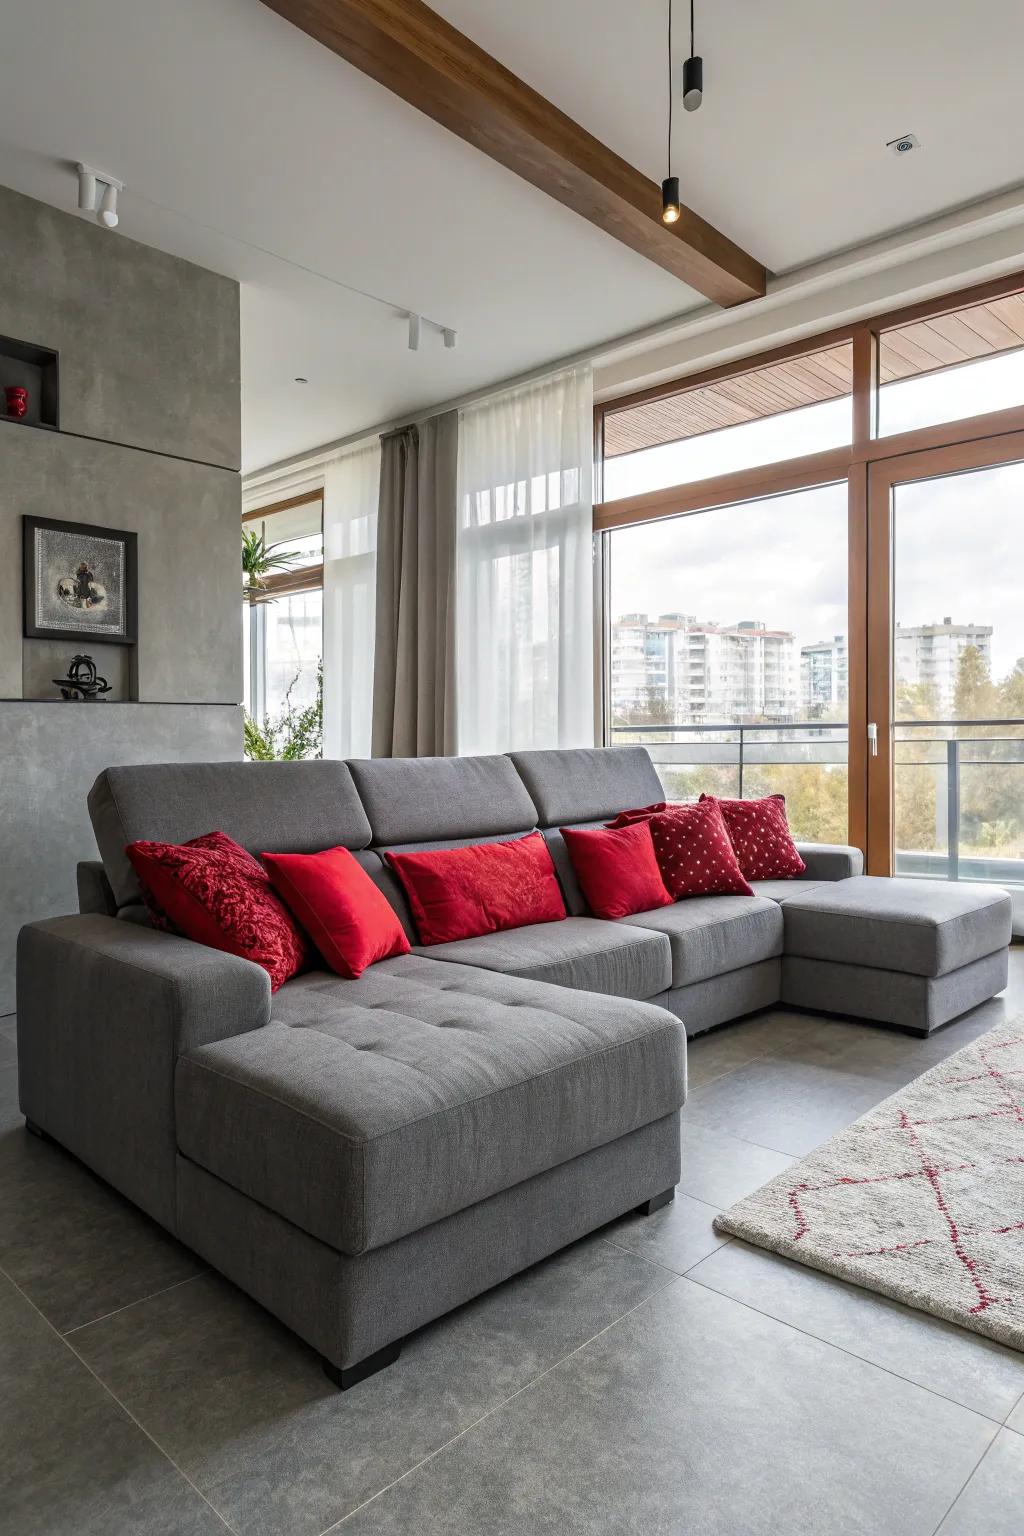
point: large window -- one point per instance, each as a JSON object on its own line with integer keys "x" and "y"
{"x": 282, "y": 627}
{"x": 846, "y": 628}
{"x": 727, "y": 649}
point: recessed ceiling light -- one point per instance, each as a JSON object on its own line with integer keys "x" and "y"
{"x": 300, "y": 380}
{"x": 904, "y": 144}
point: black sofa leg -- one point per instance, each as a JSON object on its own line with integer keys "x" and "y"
{"x": 656, "y": 1202}
{"x": 36, "y": 1130}
{"x": 344, "y": 1376}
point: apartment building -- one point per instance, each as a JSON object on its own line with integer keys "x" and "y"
{"x": 930, "y": 653}
{"x": 693, "y": 672}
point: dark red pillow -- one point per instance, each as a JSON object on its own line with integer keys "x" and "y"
{"x": 617, "y": 869}
{"x": 348, "y": 918}
{"x": 456, "y": 893}
{"x": 694, "y": 853}
{"x": 641, "y": 813}
{"x": 214, "y": 892}
{"x": 759, "y": 832}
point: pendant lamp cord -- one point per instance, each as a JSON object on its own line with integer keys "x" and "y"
{"x": 670, "y": 93}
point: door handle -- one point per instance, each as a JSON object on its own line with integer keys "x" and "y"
{"x": 873, "y": 738}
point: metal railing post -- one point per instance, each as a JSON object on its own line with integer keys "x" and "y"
{"x": 742, "y": 740}
{"x": 953, "y": 807}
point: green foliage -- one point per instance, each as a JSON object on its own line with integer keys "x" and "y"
{"x": 259, "y": 559}
{"x": 294, "y": 733}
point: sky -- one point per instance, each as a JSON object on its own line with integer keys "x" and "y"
{"x": 959, "y": 549}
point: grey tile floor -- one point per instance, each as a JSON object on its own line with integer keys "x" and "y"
{"x": 654, "y": 1378}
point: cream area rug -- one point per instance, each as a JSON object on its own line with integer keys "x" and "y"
{"x": 922, "y": 1198}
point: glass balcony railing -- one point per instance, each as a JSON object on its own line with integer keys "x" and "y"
{"x": 805, "y": 761}
{"x": 959, "y": 799}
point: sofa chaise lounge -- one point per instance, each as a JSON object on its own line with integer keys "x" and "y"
{"x": 362, "y": 1156}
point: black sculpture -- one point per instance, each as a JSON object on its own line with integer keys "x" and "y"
{"x": 83, "y": 681}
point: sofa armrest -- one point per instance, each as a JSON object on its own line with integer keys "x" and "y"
{"x": 830, "y": 861}
{"x": 105, "y": 1008}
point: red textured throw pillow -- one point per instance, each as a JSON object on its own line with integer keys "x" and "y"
{"x": 617, "y": 869}
{"x": 759, "y": 831}
{"x": 456, "y": 893}
{"x": 641, "y": 813}
{"x": 348, "y": 918}
{"x": 694, "y": 853}
{"x": 214, "y": 892}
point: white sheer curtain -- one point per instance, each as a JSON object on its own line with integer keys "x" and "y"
{"x": 351, "y": 490}
{"x": 524, "y": 568}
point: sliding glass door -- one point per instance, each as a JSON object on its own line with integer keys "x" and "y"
{"x": 946, "y": 663}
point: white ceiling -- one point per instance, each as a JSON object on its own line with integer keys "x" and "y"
{"x": 235, "y": 131}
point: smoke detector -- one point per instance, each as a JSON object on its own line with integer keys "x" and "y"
{"x": 904, "y": 144}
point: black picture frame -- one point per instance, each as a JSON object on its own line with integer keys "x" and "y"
{"x": 34, "y": 625}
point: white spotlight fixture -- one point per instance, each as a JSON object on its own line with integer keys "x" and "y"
{"x": 90, "y": 183}
{"x": 450, "y": 338}
{"x": 414, "y": 333}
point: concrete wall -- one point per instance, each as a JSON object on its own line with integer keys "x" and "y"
{"x": 149, "y": 441}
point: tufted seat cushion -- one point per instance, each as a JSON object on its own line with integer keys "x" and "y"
{"x": 368, "y": 1109}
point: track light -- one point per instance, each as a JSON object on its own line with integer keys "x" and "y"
{"x": 670, "y": 209}
{"x": 86, "y": 189}
{"x": 693, "y": 75}
{"x": 414, "y": 333}
{"x": 105, "y": 206}
{"x": 450, "y": 338}
{"x": 107, "y": 211}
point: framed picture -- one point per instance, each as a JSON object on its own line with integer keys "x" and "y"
{"x": 80, "y": 582}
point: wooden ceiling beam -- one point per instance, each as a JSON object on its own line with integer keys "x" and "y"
{"x": 415, "y": 53}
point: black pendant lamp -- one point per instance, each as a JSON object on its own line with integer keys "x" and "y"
{"x": 670, "y": 209}
{"x": 693, "y": 75}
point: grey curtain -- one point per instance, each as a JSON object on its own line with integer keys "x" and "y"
{"x": 414, "y": 655}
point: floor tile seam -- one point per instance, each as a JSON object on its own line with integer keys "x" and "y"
{"x": 498, "y": 1407}
{"x": 138, "y": 1302}
{"x": 963, "y": 1486}
{"x": 708, "y": 1125}
{"x": 123, "y": 1406}
{"x": 840, "y": 1348}
{"x": 678, "y": 1272}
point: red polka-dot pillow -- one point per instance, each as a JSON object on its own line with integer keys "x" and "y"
{"x": 761, "y": 837}
{"x": 694, "y": 853}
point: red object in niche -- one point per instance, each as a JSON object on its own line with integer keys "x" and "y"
{"x": 17, "y": 400}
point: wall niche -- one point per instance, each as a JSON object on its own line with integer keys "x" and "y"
{"x": 34, "y": 370}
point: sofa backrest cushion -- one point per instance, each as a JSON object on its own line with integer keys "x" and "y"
{"x": 421, "y": 799}
{"x": 579, "y": 784}
{"x": 280, "y": 807}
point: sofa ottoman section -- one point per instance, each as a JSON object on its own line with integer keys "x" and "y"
{"x": 916, "y": 953}
{"x": 367, "y": 1110}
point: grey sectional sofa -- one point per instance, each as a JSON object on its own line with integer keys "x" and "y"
{"x": 362, "y": 1156}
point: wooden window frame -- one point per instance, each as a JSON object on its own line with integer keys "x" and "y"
{"x": 871, "y": 465}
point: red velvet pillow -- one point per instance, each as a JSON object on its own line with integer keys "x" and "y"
{"x": 759, "y": 832}
{"x": 641, "y": 813}
{"x": 348, "y": 918}
{"x": 456, "y": 893}
{"x": 694, "y": 853}
{"x": 617, "y": 869}
{"x": 214, "y": 892}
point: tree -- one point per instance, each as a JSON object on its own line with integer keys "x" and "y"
{"x": 974, "y": 697}
{"x": 294, "y": 734}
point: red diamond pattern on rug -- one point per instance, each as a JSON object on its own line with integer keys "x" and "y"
{"x": 921, "y": 1199}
